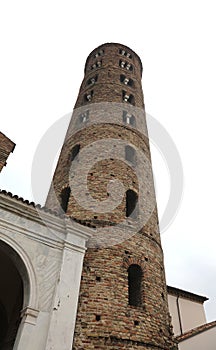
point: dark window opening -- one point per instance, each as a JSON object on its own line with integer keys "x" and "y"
{"x": 97, "y": 64}
{"x": 99, "y": 53}
{"x": 92, "y": 80}
{"x": 75, "y": 151}
{"x": 88, "y": 97}
{"x": 128, "y": 118}
{"x": 125, "y": 53}
{"x": 125, "y": 65}
{"x": 126, "y": 97}
{"x": 3, "y": 323}
{"x": 131, "y": 204}
{"x": 126, "y": 81}
{"x": 135, "y": 285}
{"x": 11, "y": 295}
{"x": 65, "y": 195}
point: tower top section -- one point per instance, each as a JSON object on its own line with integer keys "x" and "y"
{"x": 115, "y": 49}
{"x": 113, "y": 73}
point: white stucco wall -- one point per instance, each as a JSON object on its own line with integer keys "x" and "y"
{"x": 52, "y": 249}
{"x": 191, "y": 314}
{"x": 202, "y": 341}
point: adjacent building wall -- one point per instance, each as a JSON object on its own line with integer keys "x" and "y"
{"x": 186, "y": 313}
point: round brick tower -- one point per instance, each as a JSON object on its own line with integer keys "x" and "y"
{"x": 104, "y": 179}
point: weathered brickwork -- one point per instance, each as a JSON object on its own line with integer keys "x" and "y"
{"x": 99, "y": 125}
{"x": 6, "y": 147}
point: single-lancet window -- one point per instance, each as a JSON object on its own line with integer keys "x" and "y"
{"x": 75, "y": 150}
{"x": 131, "y": 204}
{"x": 135, "y": 285}
{"x": 130, "y": 154}
{"x": 65, "y": 195}
{"x": 97, "y": 64}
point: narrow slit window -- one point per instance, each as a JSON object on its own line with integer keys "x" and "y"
{"x": 65, "y": 195}
{"x": 135, "y": 285}
{"x": 75, "y": 150}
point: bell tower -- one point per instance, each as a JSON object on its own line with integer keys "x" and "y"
{"x": 103, "y": 179}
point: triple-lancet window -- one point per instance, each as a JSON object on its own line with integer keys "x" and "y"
{"x": 92, "y": 80}
{"x": 126, "y": 65}
{"x": 125, "y": 53}
{"x": 89, "y": 96}
{"x": 127, "y": 97}
{"x": 99, "y": 53}
{"x": 128, "y": 118}
{"x": 96, "y": 65}
{"x": 126, "y": 81}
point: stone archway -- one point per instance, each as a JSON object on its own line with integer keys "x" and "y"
{"x": 12, "y": 276}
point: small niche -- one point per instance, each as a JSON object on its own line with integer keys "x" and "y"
{"x": 98, "y": 317}
{"x": 136, "y": 323}
{"x": 98, "y": 278}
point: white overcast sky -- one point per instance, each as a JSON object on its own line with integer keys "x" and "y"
{"x": 44, "y": 45}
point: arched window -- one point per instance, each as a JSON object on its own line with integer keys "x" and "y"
{"x": 65, "y": 195}
{"x": 130, "y": 154}
{"x": 131, "y": 204}
{"x": 75, "y": 150}
{"x": 135, "y": 285}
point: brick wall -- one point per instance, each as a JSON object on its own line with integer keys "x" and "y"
{"x": 105, "y": 320}
{"x": 6, "y": 147}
